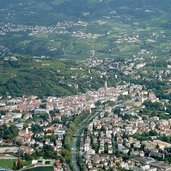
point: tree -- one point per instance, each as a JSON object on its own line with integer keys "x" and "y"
{"x": 60, "y": 158}
{"x": 28, "y": 157}
{"x": 142, "y": 147}
{"x": 14, "y": 167}
{"x": 43, "y": 106}
{"x": 14, "y": 130}
{"x": 36, "y": 128}
{"x": 54, "y": 111}
{"x": 116, "y": 111}
{"x": 106, "y": 114}
{"x": 8, "y": 132}
{"x": 17, "y": 165}
{"x": 66, "y": 154}
{"x": 53, "y": 138}
{"x": 3, "y": 112}
{"x": 18, "y": 143}
{"x": 98, "y": 103}
{"x": 44, "y": 116}
{"x": 64, "y": 119}
{"x": 153, "y": 133}
{"x": 106, "y": 148}
{"x": 25, "y": 125}
{"x": 95, "y": 147}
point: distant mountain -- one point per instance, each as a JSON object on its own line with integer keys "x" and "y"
{"x": 37, "y": 35}
{"x": 50, "y": 11}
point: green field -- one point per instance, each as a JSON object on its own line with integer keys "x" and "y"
{"x": 7, "y": 163}
{"x": 48, "y": 168}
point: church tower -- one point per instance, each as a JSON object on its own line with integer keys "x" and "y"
{"x": 105, "y": 85}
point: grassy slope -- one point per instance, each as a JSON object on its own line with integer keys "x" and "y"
{"x": 44, "y": 77}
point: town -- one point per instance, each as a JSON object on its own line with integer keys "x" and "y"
{"x": 121, "y": 135}
{"x": 85, "y": 85}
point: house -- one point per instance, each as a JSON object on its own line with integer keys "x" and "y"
{"x": 16, "y": 115}
{"x": 156, "y": 154}
{"x": 26, "y": 150}
{"x": 95, "y": 158}
{"x": 143, "y": 160}
{"x": 160, "y": 166}
{"x": 58, "y": 116}
{"x": 41, "y": 111}
{"x": 9, "y": 149}
{"x": 151, "y": 145}
{"x": 19, "y": 125}
{"x": 60, "y": 133}
{"x": 26, "y": 139}
{"x": 58, "y": 144}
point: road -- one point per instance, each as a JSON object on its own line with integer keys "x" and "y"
{"x": 81, "y": 126}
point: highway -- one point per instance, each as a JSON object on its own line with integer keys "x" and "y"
{"x": 81, "y": 126}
